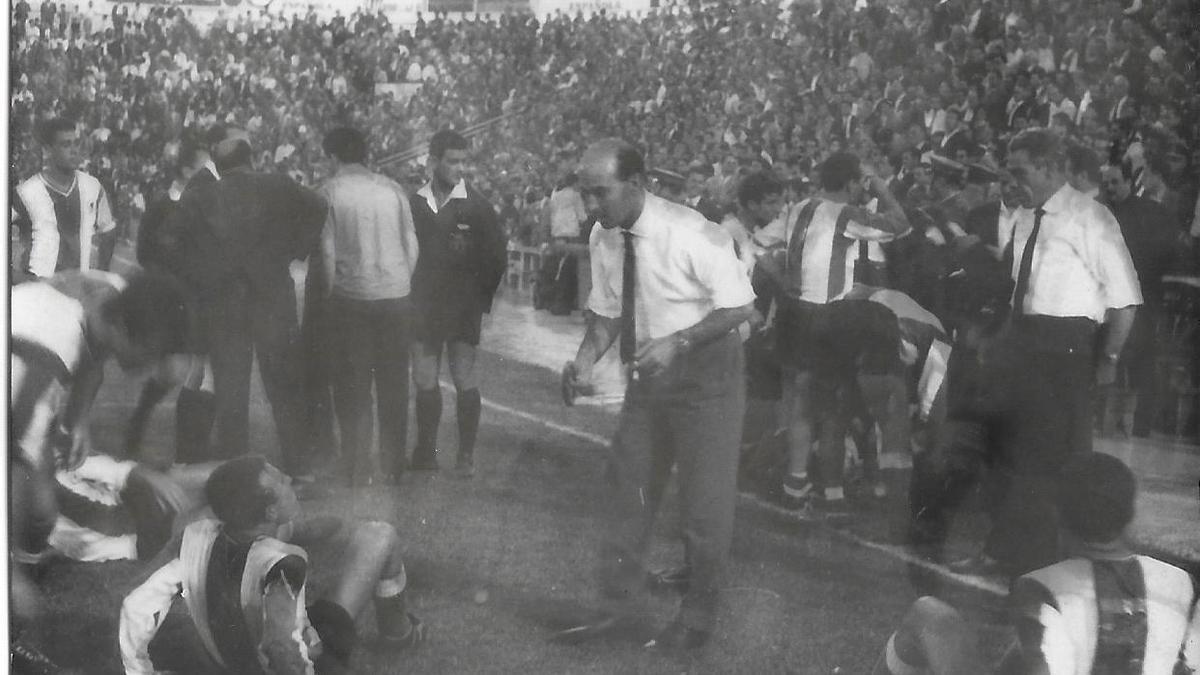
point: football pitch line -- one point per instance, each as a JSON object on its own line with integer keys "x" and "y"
{"x": 892, "y": 551}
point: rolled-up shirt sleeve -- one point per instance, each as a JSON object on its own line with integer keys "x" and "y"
{"x": 1112, "y": 265}
{"x": 143, "y": 613}
{"x": 718, "y": 269}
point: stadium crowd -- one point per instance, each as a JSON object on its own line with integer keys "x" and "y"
{"x": 914, "y": 130}
{"x": 734, "y": 85}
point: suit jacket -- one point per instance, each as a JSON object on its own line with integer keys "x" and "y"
{"x": 982, "y": 222}
{"x": 247, "y": 228}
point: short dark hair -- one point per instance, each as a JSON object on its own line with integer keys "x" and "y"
{"x": 48, "y": 130}
{"x": 349, "y": 145}
{"x": 189, "y": 153}
{"x": 758, "y": 186}
{"x": 629, "y": 161}
{"x": 241, "y": 154}
{"x": 446, "y": 139}
{"x": 154, "y": 311}
{"x": 235, "y": 493}
{"x": 1096, "y": 496}
{"x": 1042, "y": 145}
{"x": 1082, "y": 159}
{"x": 838, "y": 170}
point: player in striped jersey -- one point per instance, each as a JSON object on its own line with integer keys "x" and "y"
{"x": 244, "y": 575}
{"x": 1105, "y": 610}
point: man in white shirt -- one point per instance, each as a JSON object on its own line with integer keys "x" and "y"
{"x": 668, "y": 288}
{"x": 1075, "y": 296}
{"x": 369, "y": 251}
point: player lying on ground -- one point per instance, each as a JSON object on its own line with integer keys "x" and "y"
{"x": 1104, "y": 609}
{"x": 244, "y": 575}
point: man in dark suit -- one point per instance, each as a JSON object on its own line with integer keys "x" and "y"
{"x": 1150, "y": 236}
{"x": 237, "y": 238}
{"x": 157, "y": 246}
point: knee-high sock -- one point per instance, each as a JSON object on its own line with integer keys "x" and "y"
{"x": 468, "y": 421}
{"x": 152, "y": 394}
{"x": 429, "y": 416}
{"x": 195, "y": 412}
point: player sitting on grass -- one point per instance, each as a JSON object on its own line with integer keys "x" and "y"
{"x": 244, "y": 575}
{"x": 1103, "y": 610}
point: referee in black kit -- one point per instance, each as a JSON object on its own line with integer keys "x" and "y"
{"x": 462, "y": 260}
{"x": 668, "y": 288}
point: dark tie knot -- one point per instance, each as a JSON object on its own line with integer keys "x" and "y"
{"x": 1038, "y": 213}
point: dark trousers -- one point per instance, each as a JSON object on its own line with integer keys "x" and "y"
{"x": 242, "y": 323}
{"x": 1048, "y": 419}
{"x": 371, "y": 339}
{"x": 689, "y": 417}
{"x": 1138, "y": 370}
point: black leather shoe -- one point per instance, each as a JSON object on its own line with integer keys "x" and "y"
{"x": 678, "y": 638}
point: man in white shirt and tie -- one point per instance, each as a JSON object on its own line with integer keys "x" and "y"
{"x": 666, "y": 286}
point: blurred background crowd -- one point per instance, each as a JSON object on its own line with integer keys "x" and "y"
{"x": 729, "y": 87}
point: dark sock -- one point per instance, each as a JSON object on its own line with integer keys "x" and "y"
{"x": 429, "y": 416}
{"x": 468, "y": 421}
{"x": 194, "y": 414}
{"x": 152, "y": 394}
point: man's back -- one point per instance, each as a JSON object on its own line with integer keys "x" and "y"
{"x": 370, "y": 229}
{"x": 247, "y": 225}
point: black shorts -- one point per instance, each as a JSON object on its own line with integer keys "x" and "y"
{"x": 840, "y": 338}
{"x": 448, "y": 317}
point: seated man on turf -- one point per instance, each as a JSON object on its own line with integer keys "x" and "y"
{"x": 1103, "y": 610}
{"x": 243, "y": 577}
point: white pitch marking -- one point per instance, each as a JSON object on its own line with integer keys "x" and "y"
{"x": 886, "y": 549}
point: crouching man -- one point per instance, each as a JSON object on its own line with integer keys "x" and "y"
{"x": 243, "y": 576}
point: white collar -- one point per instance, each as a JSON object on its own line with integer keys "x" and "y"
{"x": 458, "y": 192}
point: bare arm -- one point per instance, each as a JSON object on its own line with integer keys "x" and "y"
{"x": 656, "y": 355}
{"x": 1118, "y": 323}
{"x": 601, "y": 332}
{"x": 890, "y": 217}
{"x": 282, "y": 639}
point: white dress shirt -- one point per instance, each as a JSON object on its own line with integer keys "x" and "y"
{"x": 1081, "y": 266}
{"x": 686, "y": 268}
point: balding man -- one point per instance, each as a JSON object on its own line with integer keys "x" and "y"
{"x": 238, "y": 237}
{"x": 666, "y": 286}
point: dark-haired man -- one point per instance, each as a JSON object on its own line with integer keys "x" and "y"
{"x": 244, "y": 575}
{"x": 759, "y": 201}
{"x": 1073, "y": 304}
{"x": 1103, "y": 609}
{"x": 69, "y": 210}
{"x": 369, "y": 252}
{"x": 237, "y": 237}
{"x": 157, "y": 250}
{"x": 814, "y": 264}
{"x": 463, "y": 258}
{"x": 668, "y": 288}
{"x": 1151, "y": 238}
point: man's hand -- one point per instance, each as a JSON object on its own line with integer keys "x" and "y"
{"x": 576, "y": 382}
{"x": 71, "y": 446}
{"x": 655, "y": 356}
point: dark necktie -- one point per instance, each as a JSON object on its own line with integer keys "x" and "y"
{"x": 1026, "y": 264}
{"x": 628, "y": 344}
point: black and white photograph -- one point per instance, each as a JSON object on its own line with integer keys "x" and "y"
{"x": 798, "y": 337}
